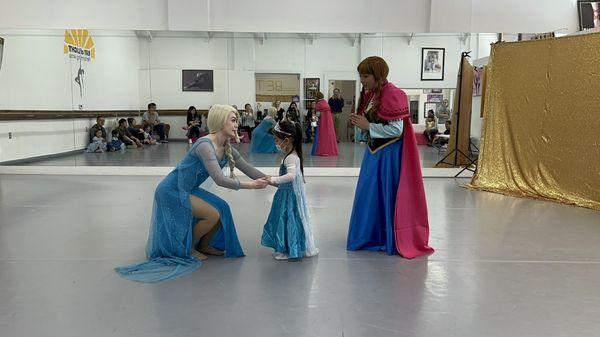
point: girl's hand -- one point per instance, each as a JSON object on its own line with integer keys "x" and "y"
{"x": 259, "y": 184}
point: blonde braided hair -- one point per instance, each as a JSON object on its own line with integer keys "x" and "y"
{"x": 229, "y": 154}
{"x": 218, "y": 116}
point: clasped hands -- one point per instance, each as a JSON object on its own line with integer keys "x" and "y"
{"x": 263, "y": 182}
{"x": 359, "y": 121}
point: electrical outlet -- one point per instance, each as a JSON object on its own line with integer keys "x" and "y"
{"x": 10, "y": 135}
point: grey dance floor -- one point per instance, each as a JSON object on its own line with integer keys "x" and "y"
{"x": 168, "y": 155}
{"x": 503, "y": 267}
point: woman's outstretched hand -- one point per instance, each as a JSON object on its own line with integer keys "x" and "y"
{"x": 259, "y": 184}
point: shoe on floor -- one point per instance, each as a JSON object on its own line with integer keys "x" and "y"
{"x": 280, "y": 257}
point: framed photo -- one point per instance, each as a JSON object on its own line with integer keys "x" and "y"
{"x": 589, "y": 14}
{"x": 430, "y": 106}
{"x": 197, "y": 80}
{"x": 432, "y": 64}
{"x": 435, "y": 98}
{"x": 311, "y": 86}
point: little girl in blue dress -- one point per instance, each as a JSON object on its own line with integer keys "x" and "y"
{"x": 288, "y": 229}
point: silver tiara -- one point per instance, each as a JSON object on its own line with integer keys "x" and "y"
{"x": 278, "y": 129}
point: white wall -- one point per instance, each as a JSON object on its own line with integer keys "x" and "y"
{"x": 327, "y": 56}
{"x": 37, "y": 75}
{"x": 32, "y": 138}
{"x": 354, "y": 16}
{"x": 89, "y": 14}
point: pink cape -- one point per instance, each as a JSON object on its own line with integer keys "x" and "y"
{"x": 411, "y": 224}
{"x": 326, "y": 140}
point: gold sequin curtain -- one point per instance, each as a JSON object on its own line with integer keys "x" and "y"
{"x": 541, "y": 131}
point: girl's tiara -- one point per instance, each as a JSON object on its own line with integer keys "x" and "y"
{"x": 278, "y": 129}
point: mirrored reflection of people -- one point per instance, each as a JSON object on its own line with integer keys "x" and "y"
{"x": 443, "y": 112}
{"x": 430, "y": 127}
{"x": 390, "y": 210}
{"x": 292, "y": 113}
{"x": 280, "y": 111}
{"x": 439, "y": 141}
{"x": 194, "y": 124}
{"x": 310, "y": 120}
{"x": 151, "y": 118}
{"x": 263, "y": 140}
{"x": 336, "y": 102}
{"x": 248, "y": 120}
{"x": 325, "y": 143}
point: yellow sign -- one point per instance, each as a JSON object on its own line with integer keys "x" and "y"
{"x": 79, "y": 45}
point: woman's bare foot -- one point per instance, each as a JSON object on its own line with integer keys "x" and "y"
{"x": 198, "y": 255}
{"x": 208, "y": 250}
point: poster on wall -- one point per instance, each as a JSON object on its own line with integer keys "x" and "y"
{"x": 311, "y": 86}
{"x": 197, "y": 80}
{"x": 432, "y": 64}
{"x": 589, "y": 14}
{"x": 435, "y": 98}
{"x": 271, "y": 87}
{"x": 79, "y": 46}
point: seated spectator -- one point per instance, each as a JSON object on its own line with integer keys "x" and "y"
{"x": 134, "y": 129}
{"x": 126, "y": 137}
{"x": 151, "y": 117}
{"x": 441, "y": 141}
{"x": 248, "y": 120}
{"x": 149, "y": 136}
{"x": 203, "y": 124}
{"x": 194, "y": 123}
{"x": 430, "y": 127}
{"x": 115, "y": 143}
{"x": 98, "y": 143}
{"x": 99, "y": 126}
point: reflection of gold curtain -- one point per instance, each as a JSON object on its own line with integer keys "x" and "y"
{"x": 541, "y": 134}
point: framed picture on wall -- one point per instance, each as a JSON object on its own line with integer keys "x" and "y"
{"x": 197, "y": 80}
{"x": 433, "y": 106}
{"x": 435, "y": 98}
{"x": 311, "y": 86}
{"x": 432, "y": 64}
{"x": 589, "y": 14}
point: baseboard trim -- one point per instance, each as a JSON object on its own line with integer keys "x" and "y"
{"x": 162, "y": 171}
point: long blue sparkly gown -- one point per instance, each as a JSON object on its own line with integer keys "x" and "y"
{"x": 170, "y": 238}
{"x": 288, "y": 229}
